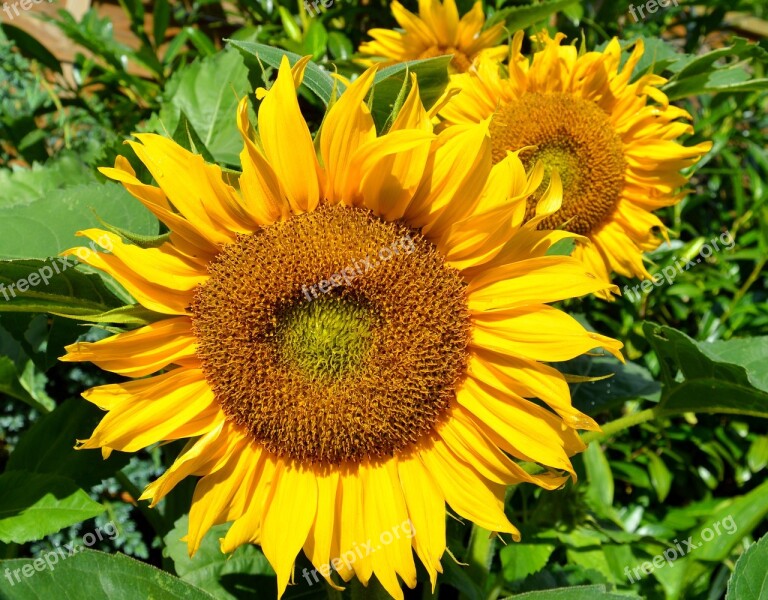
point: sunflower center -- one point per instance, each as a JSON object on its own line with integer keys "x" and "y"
{"x": 327, "y": 337}
{"x": 460, "y": 61}
{"x": 334, "y": 336}
{"x": 574, "y": 136}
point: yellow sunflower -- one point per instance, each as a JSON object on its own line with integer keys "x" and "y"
{"x": 611, "y": 139}
{"x": 348, "y": 342}
{"x": 435, "y": 31}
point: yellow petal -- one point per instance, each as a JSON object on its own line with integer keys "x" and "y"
{"x": 468, "y": 494}
{"x": 539, "y": 332}
{"x": 258, "y": 182}
{"x": 347, "y": 126}
{"x": 294, "y": 163}
{"x": 288, "y": 515}
{"x": 140, "y": 352}
{"x": 426, "y": 511}
{"x": 387, "y": 526}
{"x": 533, "y": 281}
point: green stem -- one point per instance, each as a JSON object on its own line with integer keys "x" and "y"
{"x": 618, "y": 425}
{"x": 480, "y": 554}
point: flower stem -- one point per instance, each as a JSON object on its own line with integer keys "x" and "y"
{"x": 480, "y": 554}
{"x": 618, "y": 425}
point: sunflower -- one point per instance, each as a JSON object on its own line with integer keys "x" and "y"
{"x": 611, "y": 139}
{"x": 347, "y": 344}
{"x": 435, "y": 31}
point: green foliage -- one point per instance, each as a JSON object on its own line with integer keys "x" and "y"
{"x": 118, "y": 576}
{"x": 750, "y": 576}
{"x": 34, "y": 505}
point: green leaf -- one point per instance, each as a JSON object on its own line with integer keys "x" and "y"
{"x": 53, "y": 286}
{"x": 210, "y": 568}
{"x": 432, "y": 76}
{"x": 661, "y": 478}
{"x": 161, "y": 17}
{"x": 722, "y": 377}
{"x": 340, "y": 46}
{"x": 628, "y": 381}
{"x": 702, "y": 75}
{"x": 289, "y": 24}
{"x": 715, "y": 539}
{"x": 520, "y": 560}
{"x": 757, "y": 456}
{"x": 743, "y": 513}
{"x": 658, "y": 56}
{"x": 205, "y": 97}
{"x": 186, "y": 136}
{"x": 315, "y": 39}
{"x": 33, "y": 505}
{"x": 581, "y": 592}
{"x": 10, "y": 384}
{"x": 98, "y": 576}
{"x": 48, "y": 446}
{"x": 42, "y": 222}
{"x": 315, "y": 79}
{"x": 599, "y": 475}
{"x": 563, "y": 247}
{"x": 201, "y": 42}
{"x": 28, "y": 46}
{"x": 21, "y": 186}
{"x": 750, "y": 576}
{"x": 521, "y": 17}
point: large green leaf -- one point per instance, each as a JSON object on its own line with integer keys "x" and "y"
{"x": 750, "y": 576}
{"x": 22, "y": 186}
{"x": 721, "y": 377}
{"x": 96, "y": 576}
{"x": 33, "y": 505}
{"x": 205, "y": 96}
{"x": 315, "y": 78}
{"x": 48, "y": 447}
{"x": 53, "y": 286}
{"x": 39, "y": 222}
{"x": 245, "y": 569}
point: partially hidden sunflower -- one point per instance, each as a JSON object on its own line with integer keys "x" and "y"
{"x": 348, "y": 342}
{"x": 435, "y": 31}
{"x": 613, "y": 141}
